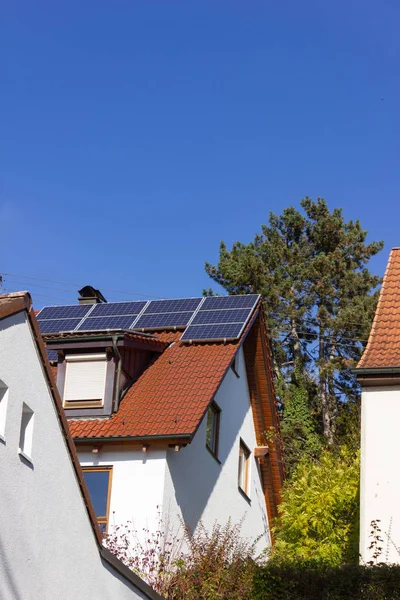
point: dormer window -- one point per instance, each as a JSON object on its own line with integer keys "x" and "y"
{"x": 85, "y": 380}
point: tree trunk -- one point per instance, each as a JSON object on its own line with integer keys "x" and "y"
{"x": 323, "y": 391}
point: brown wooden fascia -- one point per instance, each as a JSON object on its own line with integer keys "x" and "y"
{"x": 263, "y": 402}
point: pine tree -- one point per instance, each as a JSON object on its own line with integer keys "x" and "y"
{"x": 320, "y": 298}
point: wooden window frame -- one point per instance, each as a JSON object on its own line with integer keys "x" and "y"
{"x": 215, "y": 446}
{"x": 247, "y": 453}
{"x": 102, "y": 520}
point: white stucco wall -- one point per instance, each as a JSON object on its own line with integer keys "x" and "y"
{"x": 197, "y": 488}
{"x": 380, "y": 472}
{"x": 47, "y": 546}
{"x": 137, "y": 485}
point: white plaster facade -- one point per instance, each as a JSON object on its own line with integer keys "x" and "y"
{"x": 191, "y": 484}
{"x": 380, "y": 473}
{"x": 47, "y": 544}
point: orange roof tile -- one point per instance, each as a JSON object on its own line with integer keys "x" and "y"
{"x": 171, "y": 396}
{"x": 383, "y": 348}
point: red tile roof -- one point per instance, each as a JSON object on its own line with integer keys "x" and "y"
{"x": 383, "y": 348}
{"x": 171, "y": 396}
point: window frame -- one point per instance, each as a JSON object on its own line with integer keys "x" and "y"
{"x": 217, "y": 413}
{"x": 101, "y": 520}
{"x": 84, "y": 358}
{"x": 245, "y": 451}
{"x": 25, "y": 443}
{"x": 4, "y": 392}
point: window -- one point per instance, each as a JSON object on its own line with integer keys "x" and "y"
{"x": 26, "y": 433}
{"x": 85, "y": 380}
{"x": 3, "y": 408}
{"x": 98, "y": 481}
{"x": 212, "y": 430}
{"x": 244, "y": 465}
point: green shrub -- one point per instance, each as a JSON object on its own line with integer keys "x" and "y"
{"x": 320, "y": 581}
{"x": 319, "y": 511}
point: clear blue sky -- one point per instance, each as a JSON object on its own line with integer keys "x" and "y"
{"x": 137, "y": 134}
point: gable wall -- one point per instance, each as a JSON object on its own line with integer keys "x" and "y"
{"x": 198, "y": 488}
{"x": 47, "y": 544}
{"x": 380, "y": 470}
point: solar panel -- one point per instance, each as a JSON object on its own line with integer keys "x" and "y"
{"x": 232, "y": 315}
{"x": 64, "y": 312}
{"x": 163, "y": 320}
{"x": 213, "y": 332}
{"x": 54, "y": 325}
{"x": 52, "y": 355}
{"x": 221, "y": 317}
{"x": 118, "y": 309}
{"x": 95, "y": 323}
{"x": 156, "y": 307}
{"x": 225, "y": 302}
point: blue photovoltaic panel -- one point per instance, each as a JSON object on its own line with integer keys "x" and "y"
{"x": 111, "y": 309}
{"x": 95, "y": 323}
{"x": 222, "y": 317}
{"x": 176, "y": 319}
{"x": 55, "y": 325}
{"x": 224, "y": 302}
{"x": 208, "y": 317}
{"x": 212, "y": 332}
{"x": 52, "y": 355}
{"x": 156, "y": 307}
{"x": 64, "y": 312}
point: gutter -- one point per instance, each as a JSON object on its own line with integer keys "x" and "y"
{"x": 118, "y": 378}
{"x": 131, "y": 438}
{"x": 376, "y": 371}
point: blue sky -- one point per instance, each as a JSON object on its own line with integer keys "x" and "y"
{"x": 137, "y": 134}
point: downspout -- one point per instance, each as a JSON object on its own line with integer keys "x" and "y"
{"x": 118, "y": 378}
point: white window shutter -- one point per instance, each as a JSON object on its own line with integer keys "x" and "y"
{"x": 85, "y": 378}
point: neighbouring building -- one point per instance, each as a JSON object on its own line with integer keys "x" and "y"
{"x": 171, "y": 405}
{"x": 378, "y": 372}
{"x": 50, "y": 543}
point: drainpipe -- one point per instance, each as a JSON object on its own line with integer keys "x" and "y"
{"x": 118, "y": 378}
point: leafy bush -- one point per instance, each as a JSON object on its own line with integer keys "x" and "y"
{"x": 319, "y": 511}
{"x": 204, "y": 565}
{"x": 319, "y": 581}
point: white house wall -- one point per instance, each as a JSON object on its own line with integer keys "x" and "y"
{"x": 380, "y": 472}
{"x": 198, "y": 488}
{"x": 137, "y": 485}
{"x": 47, "y": 546}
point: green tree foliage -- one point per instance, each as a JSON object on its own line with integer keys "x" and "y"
{"x": 299, "y": 427}
{"x": 311, "y": 268}
{"x": 319, "y": 511}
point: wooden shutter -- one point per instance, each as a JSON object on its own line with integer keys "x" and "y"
{"x": 85, "y": 378}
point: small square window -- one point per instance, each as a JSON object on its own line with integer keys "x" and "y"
{"x": 244, "y": 466}
{"x": 212, "y": 428}
{"x": 3, "y": 408}
{"x": 98, "y": 481}
{"x": 26, "y": 433}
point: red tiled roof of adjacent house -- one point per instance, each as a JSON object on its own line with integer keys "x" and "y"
{"x": 383, "y": 348}
{"x": 170, "y": 397}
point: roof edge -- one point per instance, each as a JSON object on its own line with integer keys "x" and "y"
{"x": 128, "y": 574}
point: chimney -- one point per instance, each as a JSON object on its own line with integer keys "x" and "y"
{"x": 89, "y": 295}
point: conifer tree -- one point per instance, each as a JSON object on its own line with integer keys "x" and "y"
{"x": 320, "y": 298}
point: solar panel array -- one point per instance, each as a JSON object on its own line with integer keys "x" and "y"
{"x": 113, "y": 315}
{"x": 161, "y": 314}
{"x": 220, "y": 317}
{"x": 204, "y": 319}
